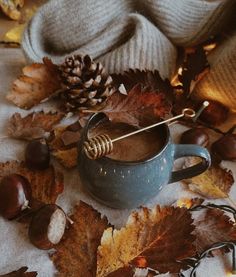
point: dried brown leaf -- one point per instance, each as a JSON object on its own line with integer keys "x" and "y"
{"x": 125, "y": 271}
{"x": 159, "y": 238}
{"x": 213, "y": 183}
{"x": 68, "y": 157}
{"x": 65, "y": 137}
{"x": 11, "y": 8}
{"x": 70, "y": 137}
{"x": 54, "y": 141}
{"x": 34, "y": 125}
{"x": 46, "y": 184}
{"x": 38, "y": 83}
{"x": 76, "y": 254}
{"x": 64, "y": 144}
{"x": 137, "y": 108}
{"x": 212, "y": 227}
{"x": 20, "y": 273}
{"x": 148, "y": 79}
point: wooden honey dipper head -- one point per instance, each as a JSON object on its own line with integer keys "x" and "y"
{"x": 98, "y": 146}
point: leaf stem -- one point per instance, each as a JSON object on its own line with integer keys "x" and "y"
{"x": 69, "y": 220}
{"x": 89, "y": 111}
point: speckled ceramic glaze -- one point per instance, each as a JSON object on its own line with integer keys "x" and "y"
{"x": 122, "y": 184}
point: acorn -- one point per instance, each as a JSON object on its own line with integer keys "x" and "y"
{"x": 37, "y": 155}
{"x": 47, "y": 226}
{"x": 197, "y": 136}
{"x": 225, "y": 147}
{"x": 15, "y": 195}
{"x": 215, "y": 113}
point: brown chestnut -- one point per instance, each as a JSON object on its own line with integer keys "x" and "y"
{"x": 37, "y": 155}
{"x": 197, "y": 136}
{"x": 47, "y": 226}
{"x": 215, "y": 113}
{"x": 15, "y": 195}
{"x": 225, "y": 147}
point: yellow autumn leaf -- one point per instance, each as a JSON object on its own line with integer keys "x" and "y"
{"x": 12, "y": 8}
{"x": 188, "y": 203}
{"x": 68, "y": 157}
{"x": 159, "y": 238}
{"x": 214, "y": 183}
{"x": 14, "y": 34}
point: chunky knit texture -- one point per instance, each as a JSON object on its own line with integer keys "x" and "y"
{"x": 220, "y": 83}
{"x": 127, "y": 34}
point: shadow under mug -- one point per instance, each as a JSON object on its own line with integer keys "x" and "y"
{"x": 128, "y": 184}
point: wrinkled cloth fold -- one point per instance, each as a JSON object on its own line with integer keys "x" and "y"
{"x": 127, "y": 34}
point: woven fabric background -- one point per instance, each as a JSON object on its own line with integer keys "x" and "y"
{"x": 140, "y": 34}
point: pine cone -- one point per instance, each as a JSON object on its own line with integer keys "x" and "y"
{"x": 85, "y": 83}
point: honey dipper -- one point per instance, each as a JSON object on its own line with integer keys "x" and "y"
{"x": 102, "y": 145}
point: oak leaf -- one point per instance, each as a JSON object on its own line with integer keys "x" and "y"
{"x": 68, "y": 157}
{"x": 138, "y": 108}
{"x": 76, "y": 254}
{"x": 159, "y": 239}
{"x": 150, "y": 80}
{"x": 54, "y": 140}
{"x": 72, "y": 133}
{"x": 33, "y": 126}
{"x": 211, "y": 227}
{"x": 215, "y": 182}
{"x": 65, "y": 155}
{"x": 20, "y": 273}
{"x": 63, "y": 143}
{"x": 11, "y": 8}
{"x": 38, "y": 82}
{"x": 46, "y": 184}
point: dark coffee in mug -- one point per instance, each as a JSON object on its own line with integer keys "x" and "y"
{"x": 134, "y": 148}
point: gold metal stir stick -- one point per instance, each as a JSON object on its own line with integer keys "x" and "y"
{"x": 102, "y": 145}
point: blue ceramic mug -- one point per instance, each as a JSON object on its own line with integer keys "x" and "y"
{"x": 128, "y": 184}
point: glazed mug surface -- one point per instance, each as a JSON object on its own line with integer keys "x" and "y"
{"x": 128, "y": 184}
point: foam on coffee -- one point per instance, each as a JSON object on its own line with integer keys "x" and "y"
{"x": 134, "y": 148}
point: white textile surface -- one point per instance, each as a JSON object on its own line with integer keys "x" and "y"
{"x": 15, "y": 248}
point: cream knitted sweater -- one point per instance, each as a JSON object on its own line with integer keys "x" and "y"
{"x": 140, "y": 34}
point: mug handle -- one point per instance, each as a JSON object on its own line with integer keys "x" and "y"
{"x": 183, "y": 150}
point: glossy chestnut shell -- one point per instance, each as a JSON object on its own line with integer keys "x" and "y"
{"x": 216, "y": 113}
{"x": 47, "y": 226}
{"x": 37, "y": 155}
{"x": 15, "y": 195}
{"x": 225, "y": 147}
{"x": 197, "y": 136}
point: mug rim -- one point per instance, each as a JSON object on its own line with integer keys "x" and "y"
{"x": 123, "y": 162}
